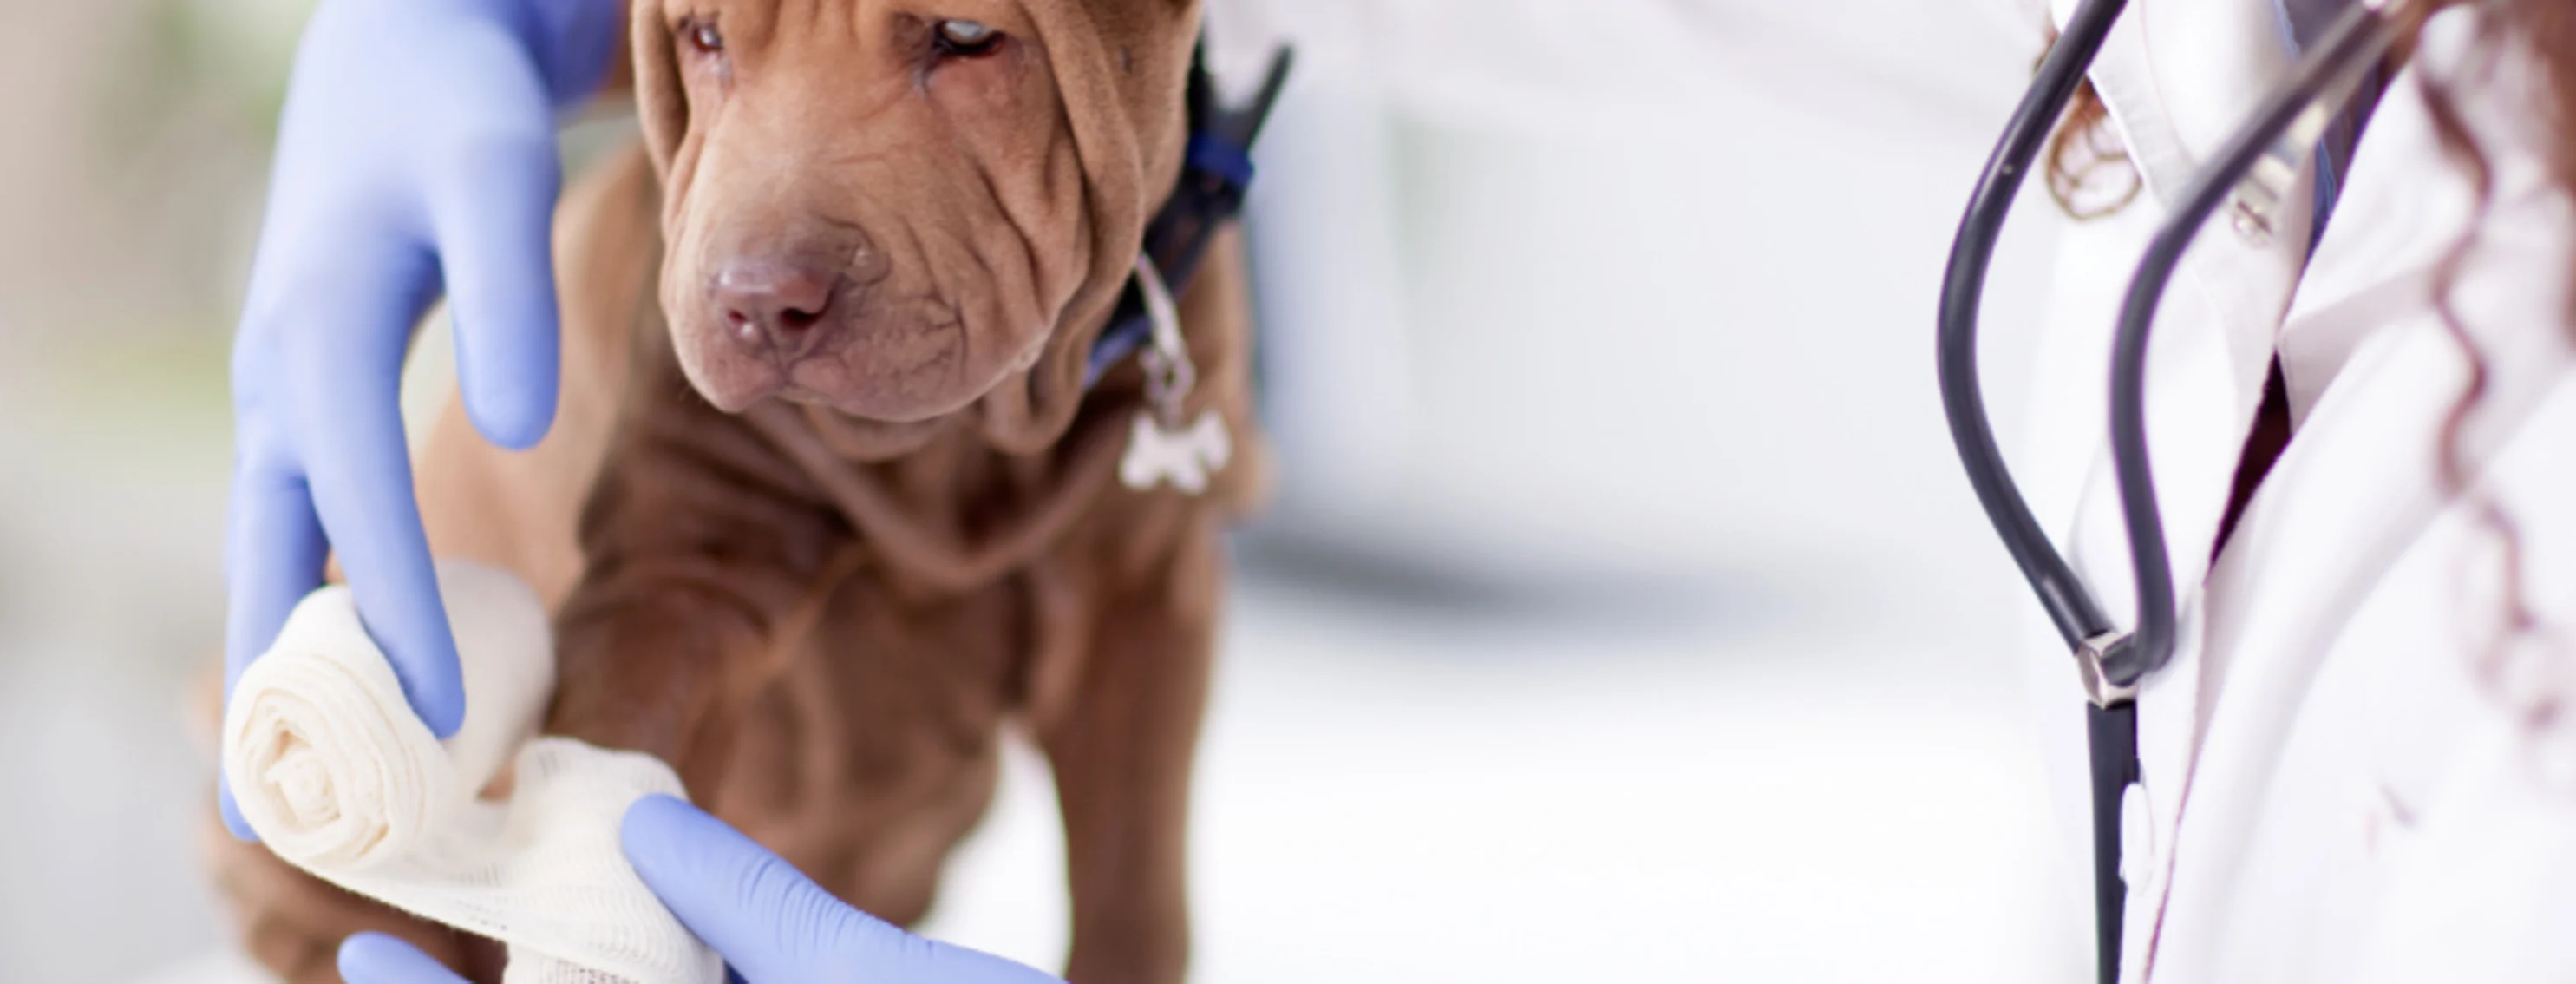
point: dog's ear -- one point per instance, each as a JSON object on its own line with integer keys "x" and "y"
{"x": 1122, "y": 68}
{"x": 659, "y": 98}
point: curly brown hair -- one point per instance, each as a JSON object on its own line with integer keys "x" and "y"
{"x": 2084, "y": 154}
{"x": 2546, "y": 32}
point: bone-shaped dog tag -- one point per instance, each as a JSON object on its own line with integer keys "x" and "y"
{"x": 1185, "y": 458}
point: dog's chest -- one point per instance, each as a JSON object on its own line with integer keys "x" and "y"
{"x": 874, "y": 747}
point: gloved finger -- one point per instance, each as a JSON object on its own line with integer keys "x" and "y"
{"x": 273, "y": 554}
{"x": 771, "y": 923}
{"x": 348, "y": 378}
{"x": 492, "y": 209}
{"x": 375, "y": 958}
{"x": 274, "y": 550}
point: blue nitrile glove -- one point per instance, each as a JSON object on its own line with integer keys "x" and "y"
{"x": 771, "y": 924}
{"x": 415, "y": 157}
{"x": 774, "y": 926}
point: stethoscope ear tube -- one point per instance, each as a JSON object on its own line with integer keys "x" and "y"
{"x": 2077, "y": 616}
{"x": 2278, "y": 141}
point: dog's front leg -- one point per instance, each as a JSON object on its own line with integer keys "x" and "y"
{"x": 668, "y": 635}
{"x": 1122, "y": 752}
{"x": 658, "y": 666}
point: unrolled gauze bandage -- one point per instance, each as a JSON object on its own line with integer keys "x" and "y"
{"x": 341, "y": 779}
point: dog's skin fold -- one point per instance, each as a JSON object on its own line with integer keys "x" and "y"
{"x": 826, "y": 508}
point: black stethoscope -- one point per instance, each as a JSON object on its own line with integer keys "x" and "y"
{"x": 2255, "y": 172}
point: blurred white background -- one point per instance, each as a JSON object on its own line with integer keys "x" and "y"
{"x": 1623, "y": 616}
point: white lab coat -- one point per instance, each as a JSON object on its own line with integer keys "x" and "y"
{"x": 2342, "y": 777}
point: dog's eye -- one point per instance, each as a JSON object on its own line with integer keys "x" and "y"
{"x": 966, "y": 38}
{"x": 706, "y": 38}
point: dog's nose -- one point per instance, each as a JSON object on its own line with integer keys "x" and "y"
{"x": 773, "y": 307}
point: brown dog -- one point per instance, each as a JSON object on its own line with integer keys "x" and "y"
{"x": 839, "y": 508}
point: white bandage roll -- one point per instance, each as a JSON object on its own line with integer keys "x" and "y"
{"x": 328, "y": 761}
{"x": 339, "y": 777}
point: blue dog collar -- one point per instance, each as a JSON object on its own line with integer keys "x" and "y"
{"x": 1216, "y": 172}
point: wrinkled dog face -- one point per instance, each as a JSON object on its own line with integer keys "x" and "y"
{"x": 873, "y": 205}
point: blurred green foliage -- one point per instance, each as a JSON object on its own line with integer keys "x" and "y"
{"x": 200, "y": 62}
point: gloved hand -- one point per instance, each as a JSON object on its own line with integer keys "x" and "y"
{"x": 771, "y": 924}
{"x": 416, "y": 157}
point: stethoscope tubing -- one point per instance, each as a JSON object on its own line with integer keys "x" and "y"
{"x": 2320, "y": 84}
{"x": 2069, "y": 605}
{"x": 2111, "y": 730}
{"x": 2256, "y": 167}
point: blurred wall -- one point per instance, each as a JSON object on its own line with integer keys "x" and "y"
{"x": 133, "y": 146}
{"x": 140, "y": 134}
{"x": 1630, "y": 290}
